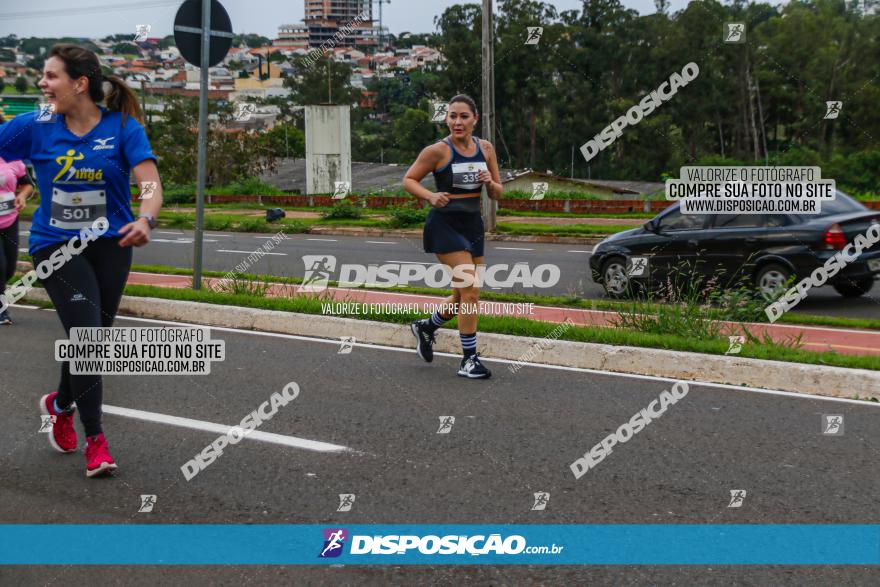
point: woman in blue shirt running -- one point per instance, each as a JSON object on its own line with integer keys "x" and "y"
{"x": 83, "y": 154}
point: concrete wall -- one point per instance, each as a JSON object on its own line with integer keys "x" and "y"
{"x": 328, "y": 147}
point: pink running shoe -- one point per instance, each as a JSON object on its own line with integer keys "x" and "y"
{"x": 98, "y": 459}
{"x": 63, "y": 435}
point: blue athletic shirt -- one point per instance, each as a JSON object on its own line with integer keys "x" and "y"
{"x": 80, "y": 178}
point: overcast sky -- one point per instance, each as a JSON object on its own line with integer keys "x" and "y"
{"x": 99, "y": 18}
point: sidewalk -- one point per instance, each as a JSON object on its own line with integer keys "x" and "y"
{"x": 841, "y": 340}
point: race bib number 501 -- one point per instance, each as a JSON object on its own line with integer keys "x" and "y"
{"x": 75, "y": 210}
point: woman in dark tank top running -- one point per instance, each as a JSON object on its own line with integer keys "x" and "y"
{"x": 461, "y": 164}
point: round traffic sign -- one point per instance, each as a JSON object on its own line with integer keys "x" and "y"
{"x": 188, "y": 32}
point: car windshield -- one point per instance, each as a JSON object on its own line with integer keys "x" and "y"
{"x": 841, "y": 205}
{"x": 675, "y": 220}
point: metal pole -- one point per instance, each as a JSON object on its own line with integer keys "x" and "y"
{"x": 144, "y": 96}
{"x": 488, "y": 102}
{"x": 203, "y": 141}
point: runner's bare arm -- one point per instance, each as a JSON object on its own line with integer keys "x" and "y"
{"x": 492, "y": 179}
{"x": 137, "y": 233}
{"x": 425, "y": 163}
{"x": 24, "y": 194}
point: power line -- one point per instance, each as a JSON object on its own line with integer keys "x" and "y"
{"x": 87, "y": 9}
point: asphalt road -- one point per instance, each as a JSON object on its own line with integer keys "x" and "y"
{"x": 513, "y": 435}
{"x": 224, "y": 250}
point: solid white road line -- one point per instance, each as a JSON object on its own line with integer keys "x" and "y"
{"x": 223, "y": 235}
{"x": 511, "y": 249}
{"x": 291, "y": 441}
{"x": 249, "y": 252}
{"x": 169, "y": 232}
{"x": 324, "y": 240}
{"x": 587, "y": 252}
{"x": 22, "y": 250}
{"x": 380, "y": 243}
{"x": 790, "y": 394}
{"x": 180, "y": 241}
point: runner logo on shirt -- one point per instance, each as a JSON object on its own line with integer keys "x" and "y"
{"x": 74, "y": 174}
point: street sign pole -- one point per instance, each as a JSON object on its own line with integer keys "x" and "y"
{"x": 203, "y": 142}
{"x": 204, "y": 48}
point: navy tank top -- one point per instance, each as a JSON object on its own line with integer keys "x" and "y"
{"x": 461, "y": 176}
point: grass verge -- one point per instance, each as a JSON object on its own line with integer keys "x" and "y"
{"x": 525, "y": 327}
{"x": 570, "y": 301}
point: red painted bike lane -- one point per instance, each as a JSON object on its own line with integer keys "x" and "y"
{"x": 846, "y": 341}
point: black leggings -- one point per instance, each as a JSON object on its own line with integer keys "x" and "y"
{"x": 86, "y": 292}
{"x": 8, "y": 253}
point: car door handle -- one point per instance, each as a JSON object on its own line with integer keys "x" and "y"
{"x": 693, "y": 242}
{"x": 751, "y": 239}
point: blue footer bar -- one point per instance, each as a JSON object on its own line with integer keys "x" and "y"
{"x": 660, "y": 544}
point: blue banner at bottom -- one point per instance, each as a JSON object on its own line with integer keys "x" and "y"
{"x": 661, "y": 544}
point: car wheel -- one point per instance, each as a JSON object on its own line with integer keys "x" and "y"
{"x": 772, "y": 280}
{"x": 854, "y": 289}
{"x": 614, "y": 278}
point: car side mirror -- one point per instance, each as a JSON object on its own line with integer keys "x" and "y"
{"x": 651, "y": 226}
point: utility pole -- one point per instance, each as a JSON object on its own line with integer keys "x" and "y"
{"x": 203, "y": 142}
{"x": 488, "y": 55}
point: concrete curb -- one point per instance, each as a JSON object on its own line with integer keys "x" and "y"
{"x": 776, "y": 375}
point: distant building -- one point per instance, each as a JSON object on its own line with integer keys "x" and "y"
{"x": 324, "y": 19}
{"x": 293, "y": 36}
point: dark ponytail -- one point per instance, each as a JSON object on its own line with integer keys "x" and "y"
{"x": 80, "y": 62}
{"x": 120, "y": 98}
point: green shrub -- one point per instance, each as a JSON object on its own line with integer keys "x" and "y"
{"x": 343, "y": 210}
{"x": 239, "y": 286}
{"x": 401, "y": 217}
{"x": 179, "y": 198}
{"x": 692, "y": 307}
{"x": 252, "y": 186}
{"x": 294, "y": 227}
{"x": 216, "y": 223}
{"x": 179, "y": 194}
{"x": 177, "y": 221}
{"x": 254, "y": 225}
